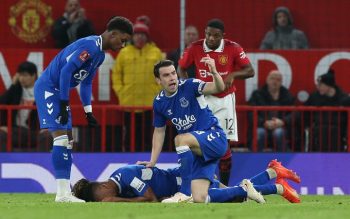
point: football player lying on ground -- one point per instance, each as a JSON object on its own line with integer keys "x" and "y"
{"x": 137, "y": 183}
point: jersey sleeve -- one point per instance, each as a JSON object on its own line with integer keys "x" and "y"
{"x": 86, "y": 87}
{"x": 187, "y": 59}
{"x": 240, "y": 57}
{"x": 159, "y": 120}
{"x": 85, "y": 92}
{"x": 73, "y": 63}
{"x": 197, "y": 86}
{"x": 129, "y": 179}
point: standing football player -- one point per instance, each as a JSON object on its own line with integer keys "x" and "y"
{"x": 76, "y": 64}
{"x": 231, "y": 63}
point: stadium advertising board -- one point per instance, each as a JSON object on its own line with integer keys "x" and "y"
{"x": 322, "y": 174}
{"x": 300, "y": 70}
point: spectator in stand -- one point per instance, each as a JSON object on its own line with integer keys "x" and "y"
{"x": 191, "y": 35}
{"x": 72, "y": 25}
{"x": 133, "y": 81}
{"x": 284, "y": 35}
{"x": 272, "y": 125}
{"x": 327, "y": 130}
{"x": 24, "y": 121}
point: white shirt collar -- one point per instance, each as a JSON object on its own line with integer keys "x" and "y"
{"x": 219, "y": 49}
{"x": 100, "y": 42}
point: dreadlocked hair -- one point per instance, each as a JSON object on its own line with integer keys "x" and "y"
{"x": 83, "y": 189}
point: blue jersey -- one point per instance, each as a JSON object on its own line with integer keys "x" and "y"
{"x": 75, "y": 64}
{"x": 134, "y": 180}
{"x": 186, "y": 109}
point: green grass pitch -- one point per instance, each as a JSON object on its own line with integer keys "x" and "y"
{"x": 41, "y": 206}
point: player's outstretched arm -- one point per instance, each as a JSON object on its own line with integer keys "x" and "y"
{"x": 217, "y": 85}
{"x": 157, "y": 145}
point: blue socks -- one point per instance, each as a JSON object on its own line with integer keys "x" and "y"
{"x": 260, "y": 179}
{"x": 186, "y": 162}
{"x": 266, "y": 189}
{"x": 226, "y": 194}
{"x": 61, "y": 157}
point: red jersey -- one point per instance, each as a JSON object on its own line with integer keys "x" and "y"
{"x": 229, "y": 57}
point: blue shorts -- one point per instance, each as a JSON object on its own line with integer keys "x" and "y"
{"x": 47, "y": 99}
{"x": 213, "y": 144}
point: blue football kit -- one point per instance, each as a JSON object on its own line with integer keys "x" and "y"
{"x": 134, "y": 180}
{"x": 76, "y": 64}
{"x": 189, "y": 113}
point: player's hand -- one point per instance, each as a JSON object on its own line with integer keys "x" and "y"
{"x": 146, "y": 163}
{"x": 92, "y": 122}
{"x": 62, "y": 117}
{"x": 211, "y": 64}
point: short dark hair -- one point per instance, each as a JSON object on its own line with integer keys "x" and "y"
{"x": 84, "y": 190}
{"x": 162, "y": 63}
{"x": 216, "y": 23}
{"x": 120, "y": 23}
{"x": 28, "y": 67}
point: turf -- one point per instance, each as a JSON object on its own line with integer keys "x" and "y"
{"x": 39, "y": 206}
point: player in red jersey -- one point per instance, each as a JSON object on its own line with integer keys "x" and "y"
{"x": 232, "y": 63}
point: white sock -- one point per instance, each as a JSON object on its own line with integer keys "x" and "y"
{"x": 280, "y": 189}
{"x": 207, "y": 200}
{"x": 63, "y": 187}
{"x": 272, "y": 173}
{"x": 182, "y": 149}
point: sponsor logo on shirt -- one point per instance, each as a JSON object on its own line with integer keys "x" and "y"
{"x": 81, "y": 75}
{"x": 185, "y": 123}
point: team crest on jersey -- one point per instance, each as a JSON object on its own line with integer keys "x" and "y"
{"x": 223, "y": 59}
{"x": 84, "y": 55}
{"x": 30, "y": 21}
{"x": 184, "y": 102}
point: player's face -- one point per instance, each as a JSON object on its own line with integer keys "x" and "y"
{"x": 118, "y": 40}
{"x": 282, "y": 19}
{"x": 168, "y": 79}
{"x": 213, "y": 37}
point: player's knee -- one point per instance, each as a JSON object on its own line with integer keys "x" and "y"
{"x": 179, "y": 140}
{"x": 199, "y": 197}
